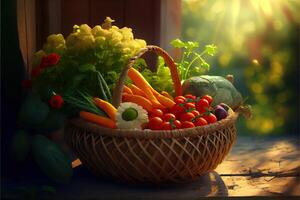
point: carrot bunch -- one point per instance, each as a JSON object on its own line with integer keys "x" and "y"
{"x": 142, "y": 93}
{"x": 108, "y": 108}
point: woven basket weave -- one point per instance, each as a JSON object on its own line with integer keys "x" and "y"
{"x": 146, "y": 155}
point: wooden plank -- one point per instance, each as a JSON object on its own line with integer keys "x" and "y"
{"x": 91, "y": 187}
{"x": 22, "y": 34}
{"x": 54, "y": 19}
{"x": 144, "y": 17}
{"x": 243, "y": 186}
{"x": 73, "y": 12}
{"x": 261, "y": 155}
{"x": 170, "y": 27}
{"x": 26, "y": 30}
{"x": 266, "y": 166}
{"x": 99, "y": 10}
{"x": 42, "y": 22}
{"x": 31, "y": 32}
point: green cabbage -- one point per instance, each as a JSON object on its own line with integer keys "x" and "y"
{"x": 218, "y": 87}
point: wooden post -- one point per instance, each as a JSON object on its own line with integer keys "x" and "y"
{"x": 26, "y": 31}
{"x": 170, "y": 26}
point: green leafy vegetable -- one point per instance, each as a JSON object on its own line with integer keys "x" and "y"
{"x": 160, "y": 80}
{"x": 190, "y": 64}
{"x": 84, "y": 54}
{"x": 190, "y": 57}
{"x": 83, "y": 101}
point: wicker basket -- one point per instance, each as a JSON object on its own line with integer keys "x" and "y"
{"x": 146, "y": 155}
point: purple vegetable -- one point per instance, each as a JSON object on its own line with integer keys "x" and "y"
{"x": 225, "y": 106}
{"x": 220, "y": 112}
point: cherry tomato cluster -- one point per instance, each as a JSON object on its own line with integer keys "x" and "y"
{"x": 188, "y": 112}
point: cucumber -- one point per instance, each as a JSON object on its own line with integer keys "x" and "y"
{"x": 33, "y": 110}
{"x": 55, "y": 163}
{"x": 20, "y": 145}
{"x": 55, "y": 121}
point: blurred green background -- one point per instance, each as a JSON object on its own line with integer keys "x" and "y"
{"x": 258, "y": 42}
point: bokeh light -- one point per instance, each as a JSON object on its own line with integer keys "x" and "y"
{"x": 258, "y": 42}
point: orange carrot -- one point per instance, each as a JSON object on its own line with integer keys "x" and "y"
{"x": 141, "y": 82}
{"x": 152, "y": 98}
{"x": 127, "y": 90}
{"x": 142, "y": 101}
{"x": 97, "y": 119}
{"x": 166, "y": 94}
{"x": 165, "y": 101}
{"x": 76, "y": 163}
{"x": 109, "y": 109}
{"x": 137, "y": 91}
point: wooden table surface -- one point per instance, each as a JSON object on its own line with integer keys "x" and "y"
{"x": 260, "y": 166}
{"x": 256, "y": 166}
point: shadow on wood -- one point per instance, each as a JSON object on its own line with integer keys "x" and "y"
{"x": 88, "y": 186}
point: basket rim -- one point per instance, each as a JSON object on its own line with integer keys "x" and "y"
{"x": 149, "y": 134}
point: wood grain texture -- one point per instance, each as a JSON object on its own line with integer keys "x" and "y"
{"x": 99, "y": 10}
{"x": 170, "y": 25}
{"x": 262, "y": 167}
{"x": 22, "y": 33}
{"x": 243, "y": 173}
{"x": 26, "y": 30}
{"x": 74, "y": 12}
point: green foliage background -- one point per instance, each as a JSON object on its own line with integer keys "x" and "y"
{"x": 258, "y": 42}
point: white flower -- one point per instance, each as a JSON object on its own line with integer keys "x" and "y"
{"x": 131, "y": 116}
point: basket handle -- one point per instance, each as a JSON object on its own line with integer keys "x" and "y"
{"x": 117, "y": 92}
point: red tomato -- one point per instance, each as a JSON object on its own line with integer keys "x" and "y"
{"x": 180, "y": 97}
{"x": 166, "y": 126}
{"x": 208, "y": 98}
{"x": 168, "y": 116}
{"x": 177, "y": 123}
{"x": 177, "y": 110}
{"x": 210, "y": 118}
{"x": 202, "y": 105}
{"x": 156, "y": 113}
{"x": 164, "y": 110}
{"x": 179, "y": 101}
{"x": 190, "y": 105}
{"x": 187, "y": 124}
{"x": 190, "y": 96}
{"x": 155, "y": 123}
{"x": 195, "y": 112}
{"x": 187, "y": 117}
{"x": 200, "y": 122}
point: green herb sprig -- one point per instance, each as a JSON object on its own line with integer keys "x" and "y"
{"x": 83, "y": 101}
{"x": 190, "y": 57}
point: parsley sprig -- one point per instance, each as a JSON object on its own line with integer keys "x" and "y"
{"x": 190, "y": 57}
